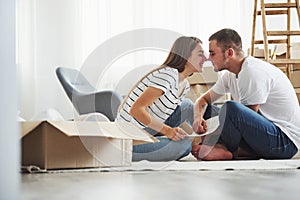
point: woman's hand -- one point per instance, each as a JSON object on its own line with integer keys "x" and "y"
{"x": 174, "y": 134}
{"x": 199, "y": 125}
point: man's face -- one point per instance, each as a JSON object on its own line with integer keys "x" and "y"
{"x": 217, "y": 56}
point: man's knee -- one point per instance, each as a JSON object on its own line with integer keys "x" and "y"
{"x": 229, "y": 109}
{"x": 230, "y": 106}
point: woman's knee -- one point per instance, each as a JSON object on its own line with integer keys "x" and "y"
{"x": 187, "y": 111}
{"x": 187, "y": 105}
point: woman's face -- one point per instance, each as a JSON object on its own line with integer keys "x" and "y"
{"x": 197, "y": 58}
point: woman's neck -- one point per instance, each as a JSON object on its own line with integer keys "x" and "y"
{"x": 182, "y": 76}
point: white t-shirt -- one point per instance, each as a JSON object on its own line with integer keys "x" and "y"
{"x": 165, "y": 79}
{"x": 262, "y": 83}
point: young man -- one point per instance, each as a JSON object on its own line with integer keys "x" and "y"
{"x": 263, "y": 120}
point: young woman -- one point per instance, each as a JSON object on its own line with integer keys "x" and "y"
{"x": 157, "y": 103}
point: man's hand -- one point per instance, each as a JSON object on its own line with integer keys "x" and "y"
{"x": 199, "y": 125}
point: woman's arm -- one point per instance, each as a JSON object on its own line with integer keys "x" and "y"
{"x": 140, "y": 113}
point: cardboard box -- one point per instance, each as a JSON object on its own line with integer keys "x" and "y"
{"x": 208, "y": 76}
{"x": 77, "y": 144}
{"x": 297, "y": 90}
{"x": 259, "y": 53}
{"x": 197, "y": 90}
{"x": 295, "y": 78}
{"x": 295, "y": 67}
{"x": 280, "y": 51}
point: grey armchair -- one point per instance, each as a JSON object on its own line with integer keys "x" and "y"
{"x": 84, "y": 96}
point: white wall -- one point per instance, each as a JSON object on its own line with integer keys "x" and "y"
{"x": 65, "y": 32}
{"x": 9, "y": 131}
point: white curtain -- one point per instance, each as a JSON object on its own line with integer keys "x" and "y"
{"x": 65, "y": 32}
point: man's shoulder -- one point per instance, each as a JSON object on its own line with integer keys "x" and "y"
{"x": 254, "y": 62}
{"x": 228, "y": 75}
{"x": 256, "y": 66}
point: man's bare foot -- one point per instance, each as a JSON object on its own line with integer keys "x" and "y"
{"x": 243, "y": 154}
{"x": 210, "y": 153}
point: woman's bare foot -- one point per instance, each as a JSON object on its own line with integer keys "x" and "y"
{"x": 210, "y": 153}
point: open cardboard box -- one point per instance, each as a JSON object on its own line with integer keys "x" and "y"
{"x": 79, "y": 144}
{"x": 297, "y": 90}
{"x": 280, "y": 51}
{"x": 295, "y": 78}
{"x": 259, "y": 53}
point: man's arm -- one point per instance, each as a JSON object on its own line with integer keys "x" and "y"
{"x": 201, "y": 103}
{"x": 254, "y": 107}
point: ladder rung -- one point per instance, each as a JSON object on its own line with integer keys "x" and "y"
{"x": 282, "y": 41}
{"x": 282, "y": 33}
{"x": 284, "y": 69}
{"x": 274, "y": 12}
{"x": 279, "y": 36}
{"x": 285, "y": 61}
{"x": 280, "y": 5}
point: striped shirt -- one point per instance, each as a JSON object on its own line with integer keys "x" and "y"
{"x": 165, "y": 79}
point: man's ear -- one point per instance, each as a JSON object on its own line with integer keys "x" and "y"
{"x": 230, "y": 52}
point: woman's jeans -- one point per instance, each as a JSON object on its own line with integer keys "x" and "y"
{"x": 244, "y": 128}
{"x": 166, "y": 149}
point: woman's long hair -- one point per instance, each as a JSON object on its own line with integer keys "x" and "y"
{"x": 180, "y": 52}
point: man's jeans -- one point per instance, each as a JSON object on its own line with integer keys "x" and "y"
{"x": 243, "y": 127}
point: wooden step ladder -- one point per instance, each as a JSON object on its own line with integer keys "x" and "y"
{"x": 276, "y": 36}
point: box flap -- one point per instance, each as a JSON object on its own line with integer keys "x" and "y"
{"x": 106, "y": 129}
{"x": 207, "y": 76}
{"x": 281, "y": 49}
{"x": 28, "y": 126}
{"x": 140, "y": 136}
{"x": 122, "y": 130}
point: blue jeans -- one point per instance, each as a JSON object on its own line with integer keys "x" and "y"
{"x": 244, "y": 128}
{"x": 166, "y": 149}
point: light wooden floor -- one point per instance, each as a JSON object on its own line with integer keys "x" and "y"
{"x": 237, "y": 184}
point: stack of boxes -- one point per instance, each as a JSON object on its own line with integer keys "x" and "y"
{"x": 201, "y": 82}
{"x": 294, "y": 73}
{"x": 259, "y": 53}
